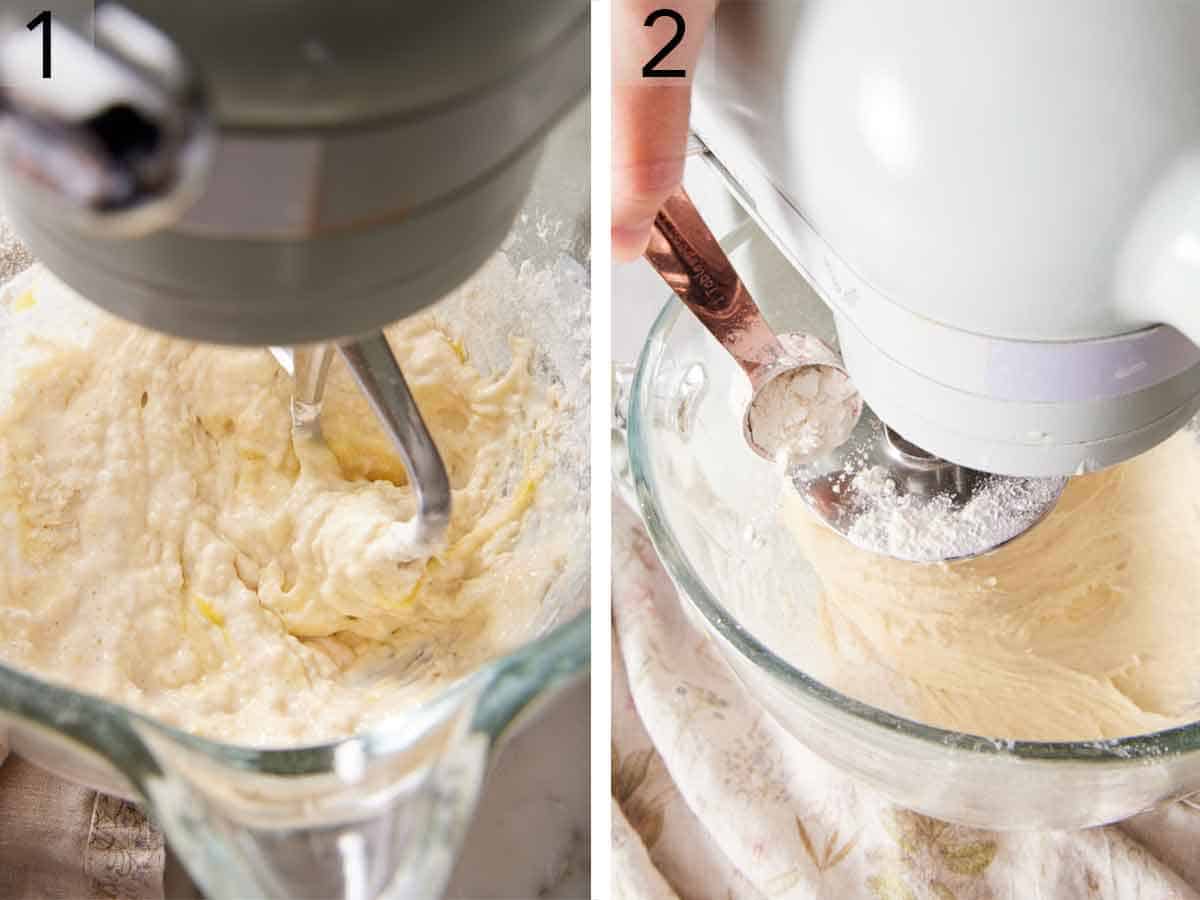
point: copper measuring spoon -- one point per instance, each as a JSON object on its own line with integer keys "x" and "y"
{"x": 687, "y": 256}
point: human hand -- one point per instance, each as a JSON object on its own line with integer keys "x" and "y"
{"x": 650, "y": 115}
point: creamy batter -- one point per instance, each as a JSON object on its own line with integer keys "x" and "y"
{"x": 1083, "y": 628}
{"x": 167, "y": 545}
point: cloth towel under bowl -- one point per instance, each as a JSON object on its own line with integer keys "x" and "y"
{"x": 45, "y": 821}
{"x": 711, "y": 799}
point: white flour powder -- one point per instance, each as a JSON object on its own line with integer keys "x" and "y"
{"x": 932, "y": 529}
{"x": 804, "y": 413}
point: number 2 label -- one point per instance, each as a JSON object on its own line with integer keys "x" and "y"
{"x": 650, "y": 70}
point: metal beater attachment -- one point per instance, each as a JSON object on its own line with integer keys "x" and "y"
{"x": 886, "y": 494}
{"x": 378, "y": 374}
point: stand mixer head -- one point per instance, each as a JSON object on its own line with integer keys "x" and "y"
{"x": 312, "y": 180}
{"x": 857, "y": 475}
{"x": 999, "y": 203}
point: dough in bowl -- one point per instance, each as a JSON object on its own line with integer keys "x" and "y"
{"x": 1082, "y": 628}
{"x": 167, "y": 545}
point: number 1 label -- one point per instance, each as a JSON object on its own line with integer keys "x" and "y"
{"x": 42, "y": 20}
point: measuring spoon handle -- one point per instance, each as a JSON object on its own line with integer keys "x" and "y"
{"x": 688, "y": 258}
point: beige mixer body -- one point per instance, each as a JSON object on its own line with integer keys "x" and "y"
{"x": 286, "y": 176}
{"x": 306, "y": 172}
{"x": 1000, "y": 202}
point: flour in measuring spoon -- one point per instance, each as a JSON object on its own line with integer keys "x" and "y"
{"x": 804, "y": 413}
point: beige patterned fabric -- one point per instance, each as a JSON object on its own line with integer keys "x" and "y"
{"x": 713, "y": 801}
{"x": 60, "y": 841}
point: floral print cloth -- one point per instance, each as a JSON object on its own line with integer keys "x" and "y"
{"x": 62, "y": 841}
{"x": 713, "y": 801}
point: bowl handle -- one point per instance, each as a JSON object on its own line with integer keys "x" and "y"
{"x": 382, "y": 815}
{"x": 622, "y": 389}
{"x": 674, "y": 408}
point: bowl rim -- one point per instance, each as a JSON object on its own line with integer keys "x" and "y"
{"x": 1133, "y": 749}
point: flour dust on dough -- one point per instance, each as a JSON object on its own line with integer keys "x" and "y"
{"x": 168, "y": 546}
{"x": 1083, "y": 628}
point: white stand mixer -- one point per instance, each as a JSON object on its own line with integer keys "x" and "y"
{"x": 999, "y": 201}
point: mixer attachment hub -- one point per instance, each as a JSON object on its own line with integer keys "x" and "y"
{"x": 888, "y": 495}
{"x": 927, "y": 475}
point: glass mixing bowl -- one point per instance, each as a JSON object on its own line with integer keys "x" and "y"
{"x": 712, "y": 509}
{"x": 380, "y": 814}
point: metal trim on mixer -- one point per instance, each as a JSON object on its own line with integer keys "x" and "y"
{"x": 295, "y": 165}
